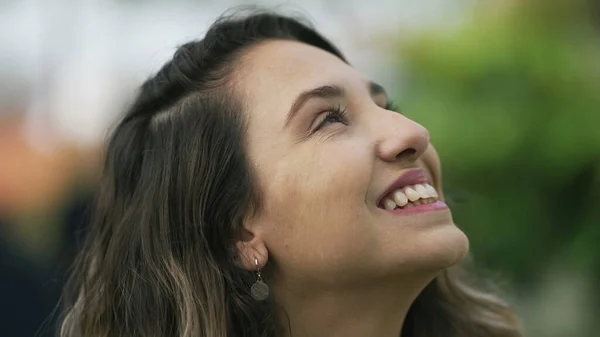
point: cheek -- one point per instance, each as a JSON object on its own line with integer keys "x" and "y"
{"x": 316, "y": 207}
{"x": 321, "y": 181}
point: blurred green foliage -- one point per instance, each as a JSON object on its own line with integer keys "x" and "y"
{"x": 512, "y": 101}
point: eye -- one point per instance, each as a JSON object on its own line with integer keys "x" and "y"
{"x": 332, "y": 116}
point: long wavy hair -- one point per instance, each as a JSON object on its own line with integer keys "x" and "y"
{"x": 160, "y": 257}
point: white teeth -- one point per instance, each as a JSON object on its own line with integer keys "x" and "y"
{"x": 412, "y": 194}
{"x": 432, "y": 192}
{"x": 400, "y": 198}
{"x": 389, "y": 204}
{"x": 423, "y": 191}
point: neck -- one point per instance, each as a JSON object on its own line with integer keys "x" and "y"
{"x": 376, "y": 310}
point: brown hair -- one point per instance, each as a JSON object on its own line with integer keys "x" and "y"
{"x": 160, "y": 258}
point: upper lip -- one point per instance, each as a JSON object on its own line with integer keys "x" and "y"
{"x": 412, "y": 177}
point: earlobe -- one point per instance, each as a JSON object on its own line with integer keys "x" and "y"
{"x": 252, "y": 252}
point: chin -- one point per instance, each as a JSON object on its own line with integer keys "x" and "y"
{"x": 429, "y": 254}
{"x": 436, "y": 251}
{"x": 448, "y": 248}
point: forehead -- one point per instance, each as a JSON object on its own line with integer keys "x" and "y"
{"x": 287, "y": 55}
{"x": 274, "y": 72}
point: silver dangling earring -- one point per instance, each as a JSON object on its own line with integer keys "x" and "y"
{"x": 259, "y": 290}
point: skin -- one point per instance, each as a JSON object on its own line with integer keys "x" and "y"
{"x": 336, "y": 263}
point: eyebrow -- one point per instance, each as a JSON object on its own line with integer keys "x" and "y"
{"x": 326, "y": 91}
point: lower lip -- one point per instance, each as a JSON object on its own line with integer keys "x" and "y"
{"x": 434, "y": 206}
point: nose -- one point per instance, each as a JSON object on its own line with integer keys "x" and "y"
{"x": 401, "y": 139}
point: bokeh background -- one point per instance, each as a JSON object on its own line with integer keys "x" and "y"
{"x": 510, "y": 90}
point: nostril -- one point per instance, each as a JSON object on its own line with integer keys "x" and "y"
{"x": 408, "y": 153}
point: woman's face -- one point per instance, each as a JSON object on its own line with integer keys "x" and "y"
{"x": 326, "y": 153}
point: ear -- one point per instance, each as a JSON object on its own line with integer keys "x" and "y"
{"x": 252, "y": 251}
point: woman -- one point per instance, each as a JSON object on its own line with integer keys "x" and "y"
{"x": 261, "y": 186}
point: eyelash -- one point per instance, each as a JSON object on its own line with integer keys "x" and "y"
{"x": 341, "y": 115}
{"x": 336, "y": 112}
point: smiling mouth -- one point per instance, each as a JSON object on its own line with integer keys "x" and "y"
{"x": 409, "y": 196}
